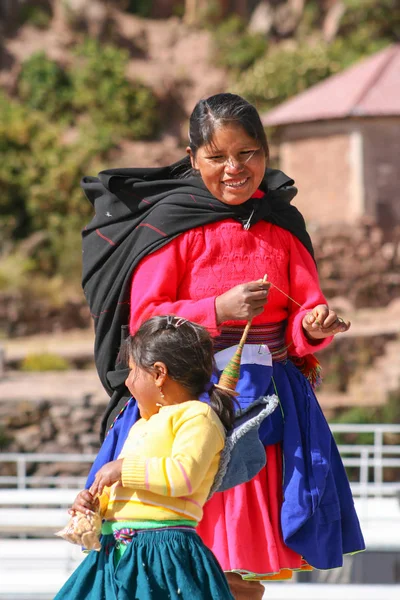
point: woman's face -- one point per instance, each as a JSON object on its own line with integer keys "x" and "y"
{"x": 233, "y": 166}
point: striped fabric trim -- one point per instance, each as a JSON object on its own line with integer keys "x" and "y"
{"x": 271, "y": 334}
{"x": 285, "y": 573}
{"x": 170, "y": 479}
{"x": 118, "y": 415}
{"x": 192, "y": 501}
{"x": 187, "y": 480}
{"x": 168, "y": 485}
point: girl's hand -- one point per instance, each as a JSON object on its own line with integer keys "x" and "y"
{"x": 84, "y": 503}
{"x": 108, "y": 474}
{"x": 242, "y": 302}
{"x": 322, "y": 322}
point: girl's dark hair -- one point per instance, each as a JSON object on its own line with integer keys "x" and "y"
{"x": 220, "y": 109}
{"x": 187, "y": 351}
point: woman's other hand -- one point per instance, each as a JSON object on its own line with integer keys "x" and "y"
{"x": 322, "y": 322}
{"x": 242, "y": 302}
{"x": 109, "y": 474}
{"x": 84, "y": 503}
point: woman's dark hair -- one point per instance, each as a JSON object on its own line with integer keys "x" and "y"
{"x": 187, "y": 351}
{"x": 220, "y": 109}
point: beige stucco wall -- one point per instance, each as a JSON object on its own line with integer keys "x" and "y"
{"x": 382, "y": 169}
{"x": 325, "y": 160}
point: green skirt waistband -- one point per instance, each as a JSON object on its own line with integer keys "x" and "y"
{"x": 109, "y": 526}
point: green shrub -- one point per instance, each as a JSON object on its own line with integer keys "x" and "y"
{"x": 379, "y": 19}
{"x": 14, "y": 270}
{"x": 39, "y": 179}
{"x": 18, "y": 166}
{"x": 44, "y": 362}
{"x": 101, "y": 89}
{"x": 178, "y": 9}
{"x": 210, "y": 13}
{"x": 387, "y": 413}
{"x": 235, "y": 48}
{"x": 286, "y": 71}
{"x": 94, "y": 89}
{"x": 43, "y": 85}
{"x": 5, "y": 439}
{"x": 37, "y": 16}
{"x": 142, "y": 8}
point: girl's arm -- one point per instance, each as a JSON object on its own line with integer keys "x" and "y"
{"x": 155, "y": 285}
{"x": 197, "y": 442}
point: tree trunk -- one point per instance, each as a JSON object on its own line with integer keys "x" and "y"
{"x": 193, "y": 10}
{"x": 333, "y": 16}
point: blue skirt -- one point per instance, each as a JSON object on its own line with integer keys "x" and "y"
{"x": 157, "y": 565}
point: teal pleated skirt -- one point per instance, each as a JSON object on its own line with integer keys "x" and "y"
{"x": 156, "y": 565}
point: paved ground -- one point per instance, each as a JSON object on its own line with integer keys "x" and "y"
{"x": 70, "y": 386}
{"x": 70, "y": 344}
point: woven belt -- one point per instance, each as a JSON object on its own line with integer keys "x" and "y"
{"x": 126, "y": 534}
{"x": 271, "y": 334}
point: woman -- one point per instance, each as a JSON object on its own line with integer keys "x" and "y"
{"x": 202, "y": 236}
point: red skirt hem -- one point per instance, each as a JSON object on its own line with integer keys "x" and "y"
{"x": 242, "y": 526}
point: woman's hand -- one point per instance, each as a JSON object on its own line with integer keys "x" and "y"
{"x": 242, "y": 302}
{"x": 84, "y": 503}
{"x": 322, "y": 322}
{"x": 108, "y": 474}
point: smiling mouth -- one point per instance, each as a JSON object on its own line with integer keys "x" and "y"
{"x": 236, "y": 184}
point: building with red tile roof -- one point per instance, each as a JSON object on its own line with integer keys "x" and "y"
{"x": 340, "y": 141}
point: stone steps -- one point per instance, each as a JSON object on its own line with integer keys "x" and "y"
{"x": 382, "y": 378}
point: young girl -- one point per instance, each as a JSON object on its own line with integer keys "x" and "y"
{"x": 152, "y": 496}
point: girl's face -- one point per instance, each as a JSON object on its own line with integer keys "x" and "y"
{"x": 141, "y": 385}
{"x": 233, "y": 166}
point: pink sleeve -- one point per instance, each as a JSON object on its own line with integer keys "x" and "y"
{"x": 155, "y": 286}
{"x": 304, "y": 288}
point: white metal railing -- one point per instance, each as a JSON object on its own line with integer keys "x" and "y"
{"x": 370, "y": 463}
{"x": 22, "y": 480}
{"x": 371, "y": 460}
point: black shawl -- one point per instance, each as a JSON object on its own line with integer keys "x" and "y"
{"x": 137, "y": 211}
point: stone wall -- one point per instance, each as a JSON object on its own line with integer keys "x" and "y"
{"x": 358, "y": 263}
{"x": 50, "y": 427}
